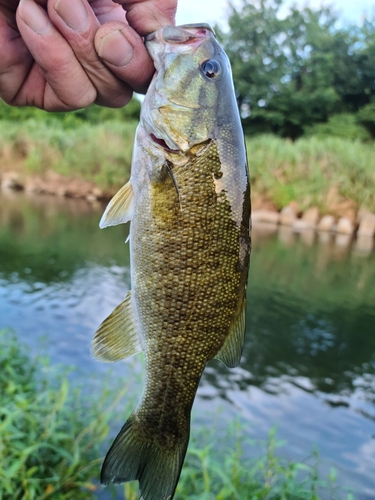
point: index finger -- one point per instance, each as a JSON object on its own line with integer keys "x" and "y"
{"x": 146, "y": 16}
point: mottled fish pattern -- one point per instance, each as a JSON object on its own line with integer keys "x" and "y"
{"x": 188, "y": 201}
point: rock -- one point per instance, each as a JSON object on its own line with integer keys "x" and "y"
{"x": 287, "y": 216}
{"x": 311, "y": 216}
{"x": 300, "y": 225}
{"x": 11, "y": 180}
{"x": 265, "y": 216}
{"x": 367, "y": 225}
{"x": 345, "y": 226}
{"x": 326, "y": 223}
{"x": 97, "y": 192}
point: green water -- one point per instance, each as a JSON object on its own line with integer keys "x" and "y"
{"x": 309, "y": 359}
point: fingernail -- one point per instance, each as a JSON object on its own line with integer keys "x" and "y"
{"x": 115, "y": 49}
{"x": 34, "y": 16}
{"x": 73, "y": 13}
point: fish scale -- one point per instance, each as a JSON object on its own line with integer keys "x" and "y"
{"x": 188, "y": 200}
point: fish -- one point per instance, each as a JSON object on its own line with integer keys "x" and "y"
{"x": 188, "y": 203}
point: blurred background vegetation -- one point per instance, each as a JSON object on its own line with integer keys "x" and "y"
{"x": 305, "y": 84}
{"x": 297, "y": 71}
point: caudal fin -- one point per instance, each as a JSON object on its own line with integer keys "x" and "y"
{"x": 133, "y": 456}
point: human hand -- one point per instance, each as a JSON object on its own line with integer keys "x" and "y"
{"x": 61, "y": 55}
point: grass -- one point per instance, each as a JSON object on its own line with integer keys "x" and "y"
{"x": 99, "y": 153}
{"x": 49, "y": 435}
{"x": 315, "y": 171}
{"x": 50, "y": 446}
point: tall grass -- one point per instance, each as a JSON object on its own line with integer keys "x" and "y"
{"x": 321, "y": 171}
{"x": 99, "y": 153}
{"x": 313, "y": 171}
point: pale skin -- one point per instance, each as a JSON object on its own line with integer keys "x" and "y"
{"x": 61, "y": 55}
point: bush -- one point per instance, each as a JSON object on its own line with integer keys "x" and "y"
{"x": 344, "y": 125}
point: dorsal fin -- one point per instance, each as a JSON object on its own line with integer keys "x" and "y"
{"x": 120, "y": 209}
{"x": 230, "y": 353}
{"x": 117, "y": 337}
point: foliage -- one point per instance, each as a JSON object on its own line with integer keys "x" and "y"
{"x": 49, "y": 435}
{"x": 324, "y": 172}
{"x": 99, "y": 153}
{"x": 294, "y": 70}
{"x": 344, "y": 125}
{"x": 366, "y": 117}
{"x": 318, "y": 170}
{"x": 229, "y": 475}
{"x": 93, "y": 114}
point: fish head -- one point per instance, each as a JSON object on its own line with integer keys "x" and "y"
{"x": 188, "y": 97}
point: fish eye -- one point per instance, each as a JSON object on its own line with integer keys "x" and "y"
{"x": 211, "y": 68}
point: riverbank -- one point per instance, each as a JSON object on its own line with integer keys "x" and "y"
{"x": 308, "y": 179}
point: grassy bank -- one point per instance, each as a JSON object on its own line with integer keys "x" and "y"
{"x": 99, "y": 153}
{"x": 332, "y": 173}
{"x": 52, "y": 437}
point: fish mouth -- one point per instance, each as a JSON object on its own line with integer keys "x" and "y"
{"x": 163, "y": 144}
{"x": 184, "y": 34}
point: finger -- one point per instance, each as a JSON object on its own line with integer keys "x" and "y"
{"x": 123, "y": 51}
{"x": 15, "y": 59}
{"x": 106, "y": 11}
{"x": 146, "y": 16}
{"x": 56, "y": 80}
{"x": 77, "y": 23}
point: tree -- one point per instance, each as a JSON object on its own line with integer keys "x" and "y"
{"x": 293, "y": 71}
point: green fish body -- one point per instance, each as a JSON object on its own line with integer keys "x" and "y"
{"x": 188, "y": 200}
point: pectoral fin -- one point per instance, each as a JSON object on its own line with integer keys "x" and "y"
{"x": 117, "y": 337}
{"x": 120, "y": 208}
{"x": 230, "y": 353}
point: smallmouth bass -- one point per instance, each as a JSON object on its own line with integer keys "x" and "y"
{"x": 188, "y": 200}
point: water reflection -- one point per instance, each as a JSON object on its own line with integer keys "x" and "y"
{"x": 309, "y": 357}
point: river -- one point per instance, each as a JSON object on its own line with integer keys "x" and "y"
{"x": 308, "y": 365}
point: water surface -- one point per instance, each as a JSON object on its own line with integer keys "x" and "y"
{"x": 309, "y": 360}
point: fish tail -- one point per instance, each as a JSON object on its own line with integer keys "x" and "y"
{"x": 134, "y": 456}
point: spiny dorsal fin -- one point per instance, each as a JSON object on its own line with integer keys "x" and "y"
{"x": 230, "y": 353}
{"x": 120, "y": 208}
{"x": 117, "y": 337}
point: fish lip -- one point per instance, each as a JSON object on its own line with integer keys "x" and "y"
{"x": 181, "y": 34}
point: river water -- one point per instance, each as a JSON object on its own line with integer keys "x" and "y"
{"x": 308, "y": 365}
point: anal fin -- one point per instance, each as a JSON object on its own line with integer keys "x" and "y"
{"x": 230, "y": 353}
{"x": 117, "y": 337}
